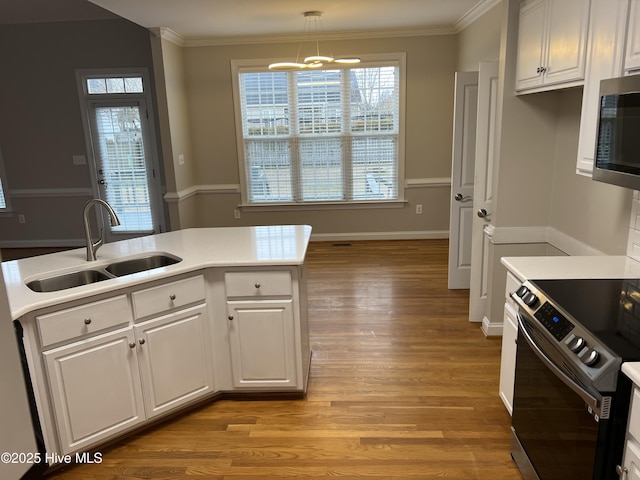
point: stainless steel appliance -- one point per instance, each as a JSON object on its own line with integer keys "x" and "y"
{"x": 617, "y": 155}
{"x": 571, "y": 400}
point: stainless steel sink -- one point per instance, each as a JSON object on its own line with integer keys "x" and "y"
{"x": 141, "y": 264}
{"x": 68, "y": 280}
{"x": 91, "y": 275}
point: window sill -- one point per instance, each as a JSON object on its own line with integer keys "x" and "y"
{"x": 281, "y": 207}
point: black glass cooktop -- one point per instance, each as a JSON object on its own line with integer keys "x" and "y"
{"x": 608, "y": 308}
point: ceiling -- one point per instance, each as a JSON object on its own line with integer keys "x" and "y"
{"x": 232, "y": 19}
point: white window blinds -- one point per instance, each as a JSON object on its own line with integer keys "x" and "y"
{"x": 320, "y": 135}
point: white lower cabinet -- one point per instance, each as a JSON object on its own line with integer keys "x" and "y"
{"x": 509, "y": 347}
{"x": 102, "y": 385}
{"x": 95, "y": 389}
{"x": 630, "y": 468}
{"x": 262, "y": 343}
{"x": 175, "y": 359}
{"x": 107, "y": 364}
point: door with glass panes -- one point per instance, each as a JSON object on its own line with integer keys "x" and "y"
{"x": 125, "y": 165}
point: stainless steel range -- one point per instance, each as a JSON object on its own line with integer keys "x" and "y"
{"x": 571, "y": 400}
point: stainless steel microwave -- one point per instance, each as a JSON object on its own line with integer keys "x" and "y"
{"x": 617, "y": 155}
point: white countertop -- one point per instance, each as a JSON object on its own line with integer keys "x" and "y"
{"x": 549, "y": 268}
{"x": 199, "y": 248}
{"x": 632, "y": 370}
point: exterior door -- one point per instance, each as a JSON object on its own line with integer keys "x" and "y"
{"x": 483, "y": 189}
{"x": 124, "y": 163}
{"x": 462, "y": 173}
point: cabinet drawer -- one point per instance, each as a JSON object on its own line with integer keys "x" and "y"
{"x": 257, "y": 284}
{"x": 634, "y": 415}
{"x": 168, "y": 296}
{"x": 83, "y": 320}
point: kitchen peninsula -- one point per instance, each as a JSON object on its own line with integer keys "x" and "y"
{"x": 111, "y": 355}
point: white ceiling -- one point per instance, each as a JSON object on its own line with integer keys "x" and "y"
{"x": 245, "y": 18}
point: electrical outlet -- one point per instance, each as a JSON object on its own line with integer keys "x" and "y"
{"x": 181, "y": 159}
{"x": 418, "y": 209}
{"x": 236, "y": 213}
{"x": 21, "y": 219}
{"x": 79, "y": 160}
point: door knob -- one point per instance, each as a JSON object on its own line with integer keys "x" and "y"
{"x": 461, "y": 198}
{"x": 482, "y": 213}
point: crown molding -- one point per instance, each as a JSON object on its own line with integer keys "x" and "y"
{"x": 216, "y": 41}
{"x": 474, "y": 14}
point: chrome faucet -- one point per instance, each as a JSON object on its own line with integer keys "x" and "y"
{"x": 92, "y": 247}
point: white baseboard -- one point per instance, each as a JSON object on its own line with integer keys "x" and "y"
{"x": 491, "y": 329}
{"x": 355, "y": 236}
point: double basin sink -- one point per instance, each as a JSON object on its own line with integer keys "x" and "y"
{"x": 112, "y": 270}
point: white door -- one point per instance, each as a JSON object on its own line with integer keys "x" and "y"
{"x": 462, "y": 173}
{"x": 483, "y": 188}
{"x": 123, "y": 159}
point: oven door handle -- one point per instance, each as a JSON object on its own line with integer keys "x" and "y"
{"x": 589, "y": 398}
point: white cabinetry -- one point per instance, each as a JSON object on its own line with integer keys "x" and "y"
{"x": 509, "y": 337}
{"x": 607, "y": 28}
{"x": 95, "y": 389}
{"x": 630, "y": 469}
{"x": 265, "y": 328}
{"x": 106, "y": 374}
{"x": 174, "y": 350}
{"x": 552, "y": 39}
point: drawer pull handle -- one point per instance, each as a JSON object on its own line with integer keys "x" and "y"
{"x": 141, "y": 341}
{"x": 87, "y": 321}
{"x": 257, "y": 285}
{"x": 172, "y": 297}
{"x": 132, "y": 345}
{"x": 230, "y": 317}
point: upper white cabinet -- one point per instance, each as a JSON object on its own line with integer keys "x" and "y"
{"x": 552, "y": 39}
{"x": 632, "y": 57}
{"x": 607, "y": 27}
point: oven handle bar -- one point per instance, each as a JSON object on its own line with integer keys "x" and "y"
{"x": 592, "y": 401}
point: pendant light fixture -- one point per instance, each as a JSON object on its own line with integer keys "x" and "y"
{"x": 312, "y": 25}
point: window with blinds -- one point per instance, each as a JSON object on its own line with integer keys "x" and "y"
{"x": 322, "y": 135}
{"x": 4, "y": 203}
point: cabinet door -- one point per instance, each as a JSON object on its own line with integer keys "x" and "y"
{"x": 95, "y": 389}
{"x": 632, "y": 461}
{"x": 263, "y": 345}
{"x": 632, "y": 58}
{"x": 531, "y": 45}
{"x": 567, "y": 26}
{"x": 175, "y": 359}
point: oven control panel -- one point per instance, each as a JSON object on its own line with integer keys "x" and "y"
{"x": 570, "y": 336}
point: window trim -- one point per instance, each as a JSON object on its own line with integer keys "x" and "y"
{"x": 370, "y": 60}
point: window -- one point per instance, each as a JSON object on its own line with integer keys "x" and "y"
{"x": 320, "y": 136}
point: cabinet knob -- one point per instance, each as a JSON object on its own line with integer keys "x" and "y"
{"x": 230, "y": 317}
{"x": 142, "y": 341}
{"x": 257, "y": 285}
{"x": 87, "y": 321}
{"x": 172, "y": 297}
{"x": 132, "y": 344}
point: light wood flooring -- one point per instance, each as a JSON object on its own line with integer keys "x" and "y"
{"x": 402, "y": 386}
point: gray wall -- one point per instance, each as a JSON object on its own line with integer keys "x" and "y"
{"x": 40, "y": 125}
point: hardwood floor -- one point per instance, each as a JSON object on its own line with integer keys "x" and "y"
{"x": 402, "y": 386}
